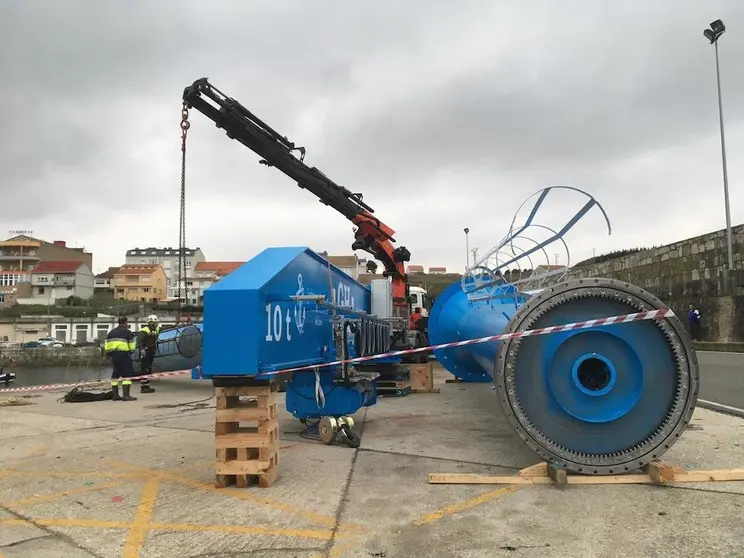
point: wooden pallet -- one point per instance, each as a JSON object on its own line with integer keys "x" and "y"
{"x": 246, "y": 435}
{"x": 543, "y": 473}
{"x": 422, "y": 378}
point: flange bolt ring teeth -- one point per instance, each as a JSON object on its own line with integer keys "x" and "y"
{"x": 655, "y": 368}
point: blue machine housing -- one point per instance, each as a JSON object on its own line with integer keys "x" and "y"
{"x": 253, "y": 327}
{"x": 456, "y": 318}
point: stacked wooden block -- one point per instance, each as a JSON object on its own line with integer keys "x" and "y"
{"x": 246, "y": 435}
{"x": 422, "y": 378}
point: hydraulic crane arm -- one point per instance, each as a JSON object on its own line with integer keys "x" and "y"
{"x": 239, "y": 123}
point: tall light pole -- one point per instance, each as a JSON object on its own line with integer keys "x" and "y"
{"x": 717, "y": 28}
{"x": 475, "y": 255}
{"x": 467, "y": 249}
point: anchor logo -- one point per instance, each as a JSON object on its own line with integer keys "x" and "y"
{"x": 299, "y": 311}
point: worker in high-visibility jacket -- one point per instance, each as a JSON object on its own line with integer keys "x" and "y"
{"x": 147, "y": 339}
{"x": 119, "y": 346}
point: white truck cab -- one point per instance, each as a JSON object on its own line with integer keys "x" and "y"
{"x": 420, "y": 299}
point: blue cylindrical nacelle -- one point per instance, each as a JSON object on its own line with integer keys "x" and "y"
{"x": 604, "y": 398}
{"x": 456, "y": 318}
{"x": 179, "y": 348}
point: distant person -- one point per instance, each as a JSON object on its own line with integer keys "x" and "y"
{"x": 120, "y": 345}
{"x": 415, "y": 318}
{"x": 148, "y": 340}
{"x": 693, "y": 319}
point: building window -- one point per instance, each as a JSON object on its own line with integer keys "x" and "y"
{"x": 146, "y": 290}
{"x": 41, "y": 290}
{"x": 132, "y": 278}
{"x": 101, "y": 331}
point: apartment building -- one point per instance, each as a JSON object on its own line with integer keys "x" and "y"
{"x": 22, "y": 253}
{"x": 102, "y": 282}
{"x": 56, "y": 281}
{"x": 140, "y": 282}
{"x": 205, "y": 275}
{"x": 13, "y": 285}
{"x": 168, "y": 259}
{"x": 353, "y": 265}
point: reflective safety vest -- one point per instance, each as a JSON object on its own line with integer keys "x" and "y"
{"x": 149, "y": 336}
{"x": 120, "y": 339}
{"x": 146, "y": 329}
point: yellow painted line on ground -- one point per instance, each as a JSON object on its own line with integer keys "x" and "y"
{"x": 141, "y": 523}
{"x": 465, "y": 505}
{"x": 70, "y": 474}
{"x": 176, "y": 527}
{"x": 61, "y": 494}
{"x": 173, "y": 475}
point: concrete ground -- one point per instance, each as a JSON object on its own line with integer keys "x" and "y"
{"x": 135, "y": 479}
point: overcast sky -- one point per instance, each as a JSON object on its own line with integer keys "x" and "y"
{"x": 444, "y": 114}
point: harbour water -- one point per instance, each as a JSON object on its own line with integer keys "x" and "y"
{"x": 43, "y": 375}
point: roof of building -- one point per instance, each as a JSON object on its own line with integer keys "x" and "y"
{"x": 24, "y": 239}
{"x": 138, "y": 269}
{"x": 342, "y": 261}
{"x": 437, "y": 269}
{"x": 218, "y": 267}
{"x": 57, "y": 267}
{"x": 108, "y": 274}
{"x": 152, "y": 251}
{"x": 416, "y": 268}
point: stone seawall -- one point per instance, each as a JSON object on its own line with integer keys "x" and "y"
{"x": 52, "y": 356}
{"x": 691, "y": 271}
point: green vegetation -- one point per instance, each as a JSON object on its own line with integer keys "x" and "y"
{"x": 613, "y": 255}
{"x": 434, "y": 284}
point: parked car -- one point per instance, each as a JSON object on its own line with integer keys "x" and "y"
{"x": 48, "y": 342}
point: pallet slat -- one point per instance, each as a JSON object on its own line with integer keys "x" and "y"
{"x": 543, "y": 473}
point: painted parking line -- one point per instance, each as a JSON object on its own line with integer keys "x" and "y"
{"x": 239, "y": 494}
{"x": 142, "y": 519}
{"x": 464, "y": 505}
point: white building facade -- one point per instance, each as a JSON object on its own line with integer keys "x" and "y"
{"x": 53, "y": 281}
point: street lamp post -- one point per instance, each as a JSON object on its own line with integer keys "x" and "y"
{"x": 717, "y": 28}
{"x": 467, "y": 249}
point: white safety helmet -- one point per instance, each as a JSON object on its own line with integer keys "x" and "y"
{"x": 152, "y": 318}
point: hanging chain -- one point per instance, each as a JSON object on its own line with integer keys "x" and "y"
{"x": 185, "y": 124}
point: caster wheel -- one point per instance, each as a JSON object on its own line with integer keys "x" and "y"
{"x": 348, "y": 421}
{"x": 351, "y": 438}
{"x": 327, "y": 430}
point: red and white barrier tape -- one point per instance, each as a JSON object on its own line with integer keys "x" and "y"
{"x": 50, "y": 387}
{"x": 621, "y": 319}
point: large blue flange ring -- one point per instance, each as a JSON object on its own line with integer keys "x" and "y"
{"x": 596, "y": 386}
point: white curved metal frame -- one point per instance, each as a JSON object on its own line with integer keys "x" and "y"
{"x": 490, "y": 276}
